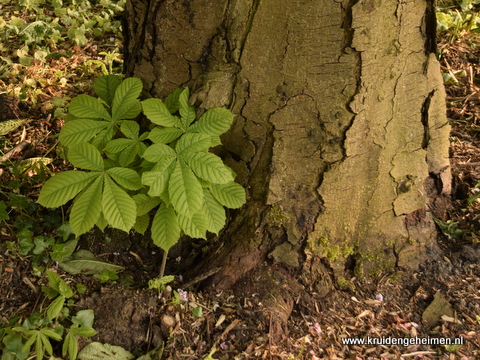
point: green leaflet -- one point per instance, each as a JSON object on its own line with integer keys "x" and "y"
{"x": 118, "y": 207}
{"x": 64, "y": 187}
{"x": 214, "y": 212}
{"x": 187, "y": 111}
{"x": 185, "y": 191}
{"x": 158, "y": 113}
{"x": 158, "y": 178}
{"x": 127, "y": 178}
{"x": 193, "y": 142}
{"x": 145, "y": 203}
{"x": 125, "y": 98}
{"x": 80, "y": 130}
{"x": 105, "y": 87}
{"x": 87, "y": 107}
{"x": 196, "y": 226}
{"x": 141, "y": 223}
{"x": 130, "y": 129}
{"x": 172, "y": 101}
{"x": 85, "y": 156}
{"x": 87, "y": 207}
{"x": 157, "y": 152}
{"x": 165, "y": 228}
{"x": 231, "y": 195}
{"x": 164, "y": 135}
{"x": 215, "y": 121}
{"x": 208, "y": 166}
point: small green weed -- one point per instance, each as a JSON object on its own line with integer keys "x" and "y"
{"x": 42, "y": 326}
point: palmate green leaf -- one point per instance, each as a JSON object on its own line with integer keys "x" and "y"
{"x": 134, "y": 110}
{"x": 85, "y": 156}
{"x": 145, "y": 203}
{"x": 214, "y": 212}
{"x": 196, "y": 226}
{"x": 215, "y": 121}
{"x": 158, "y": 178}
{"x": 87, "y": 107}
{"x": 80, "y": 130}
{"x": 187, "y": 111}
{"x": 87, "y": 207}
{"x": 118, "y": 207}
{"x": 105, "y": 87}
{"x": 64, "y": 187}
{"x": 130, "y": 129}
{"x": 208, "y": 166}
{"x": 165, "y": 228}
{"x": 231, "y": 195}
{"x": 184, "y": 189}
{"x": 165, "y": 135}
{"x": 157, "y": 112}
{"x": 125, "y": 97}
{"x": 158, "y": 152}
{"x": 193, "y": 142}
{"x": 127, "y": 178}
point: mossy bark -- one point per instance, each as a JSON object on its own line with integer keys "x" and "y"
{"x": 340, "y": 138}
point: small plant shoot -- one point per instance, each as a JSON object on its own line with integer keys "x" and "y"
{"x": 126, "y": 176}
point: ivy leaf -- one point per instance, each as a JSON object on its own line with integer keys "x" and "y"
{"x": 86, "y": 156}
{"x": 87, "y": 107}
{"x": 125, "y": 97}
{"x": 164, "y": 135}
{"x": 231, "y": 195}
{"x": 87, "y": 208}
{"x": 80, "y": 130}
{"x": 158, "y": 113}
{"x": 64, "y": 187}
{"x": 127, "y": 178}
{"x": 118, "y": 208}
{"x": 209, "y": 167}
{"x": 105, "y": 87}
{"x": 215, "y": 121}
{"x": 165, "y": 228}
{"x": 184, "y": 189}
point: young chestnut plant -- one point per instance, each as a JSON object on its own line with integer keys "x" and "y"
{"x": 128, "y": 176}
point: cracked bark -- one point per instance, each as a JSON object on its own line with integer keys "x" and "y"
{"x": 341, "y": 124}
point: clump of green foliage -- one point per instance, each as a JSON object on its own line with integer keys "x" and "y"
{"x": 48, "y": 324}
{"x": 131, "y": 177}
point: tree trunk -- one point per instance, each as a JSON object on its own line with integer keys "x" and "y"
{"x": 341, "y": 137}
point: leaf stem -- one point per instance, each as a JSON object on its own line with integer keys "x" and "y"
{"x": 164, "y": 263}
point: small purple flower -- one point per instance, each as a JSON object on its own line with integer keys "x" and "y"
{"x": 183, "y": 294}
{"x": 379, "y": 297}
{"x": 317, "y": 328}
{"x": 223, "y": 346}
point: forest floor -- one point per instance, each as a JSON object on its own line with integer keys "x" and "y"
{"x": 440, "y": 300}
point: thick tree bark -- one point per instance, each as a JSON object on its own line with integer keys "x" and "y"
{"x": 340, "y": 138}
